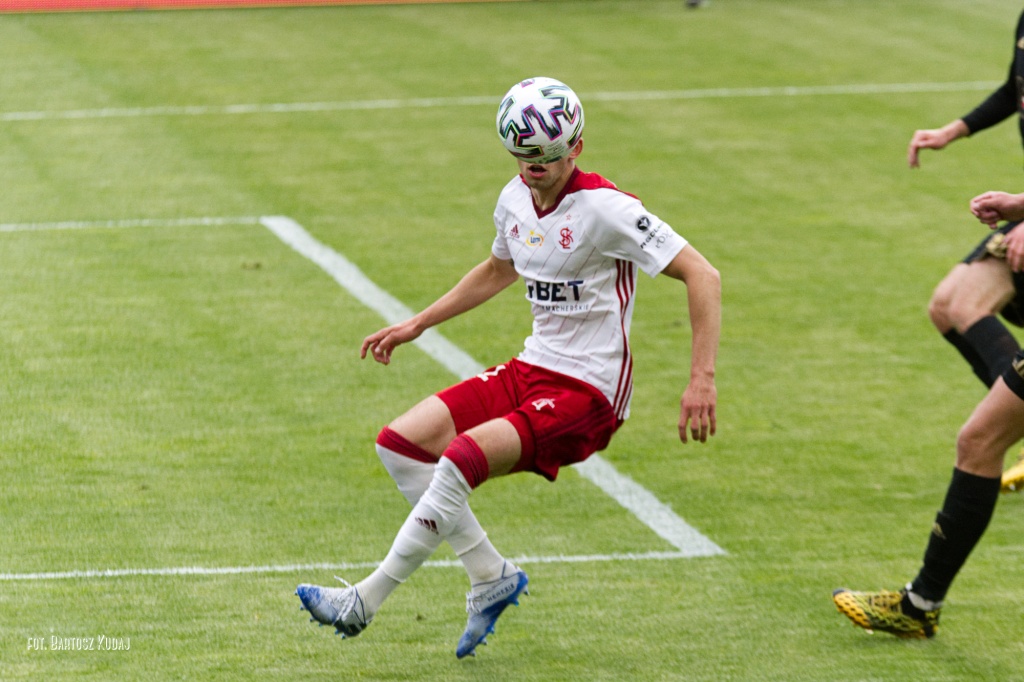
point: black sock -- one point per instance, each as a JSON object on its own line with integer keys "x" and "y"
{"x": 970, "y": 355}
{"x": 994, "y": 344}
{"x": 970, "y": 501}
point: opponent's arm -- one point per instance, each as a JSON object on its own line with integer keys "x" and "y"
{"x": 992, "y": 207}
{"x": 480, "y": 284}
{"x": 997, "y": 107}
{"x": 704, "y": 296}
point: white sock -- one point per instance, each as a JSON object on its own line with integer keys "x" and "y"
{"x": 410, "y": 475}
{"x": 432, "y": 519}
{"x": 468, "y": 539}
{"x": 922, "y": 603}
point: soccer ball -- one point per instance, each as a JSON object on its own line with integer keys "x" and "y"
{"x": 540, "y": 120}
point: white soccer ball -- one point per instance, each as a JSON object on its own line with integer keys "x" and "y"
{"x": 540, "y": 120}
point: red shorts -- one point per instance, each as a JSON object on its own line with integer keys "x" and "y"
{"x": 560, "y": 420}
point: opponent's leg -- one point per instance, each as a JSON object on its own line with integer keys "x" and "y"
{"x": 963, "y": 309}
{"x": 995, "y": 425}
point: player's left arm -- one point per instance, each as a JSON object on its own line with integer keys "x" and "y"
{"x": 991, "y": 207}
{"x": 704, "y": 296}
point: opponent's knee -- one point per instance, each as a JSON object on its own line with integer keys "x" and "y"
{"x": 938, "y": 313}
{"x": 978, "y": 451}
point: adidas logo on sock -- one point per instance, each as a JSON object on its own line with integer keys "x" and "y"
{"x": 429, "y": 524}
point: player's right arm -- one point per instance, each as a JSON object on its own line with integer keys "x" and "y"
{"x": 480, "y": 284}
{"x": 1002, "y": 103}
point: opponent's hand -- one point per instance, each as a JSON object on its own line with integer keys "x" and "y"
{"x": 1014, "y": 242}
{"x": 697, "y": 411}
{"x": 936, "y": 138}
{"x": 992, "y": 207}
{"x": 380, "y": 344}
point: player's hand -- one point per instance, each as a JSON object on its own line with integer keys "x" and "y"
{"x": 1014, "y": 243}
{"x": 935, "y": 138}
{"x": 992, "y": 207}
{"x": 697, "y": 411}
{"x": 926, "y": 139}
{"x": 381, "y": 343}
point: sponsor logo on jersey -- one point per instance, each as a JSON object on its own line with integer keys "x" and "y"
{"x": 554, "y": 292}
{"x": 534, "y": 239}
{"x": 541, "y": 403}
{"x": 643, "y": 223}
{"x": 514, "y": 232}
{"x": 654, "y": 238}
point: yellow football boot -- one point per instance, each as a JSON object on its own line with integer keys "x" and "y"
{"x": 883, "y": 611}
{"x": 1013, "y": 478}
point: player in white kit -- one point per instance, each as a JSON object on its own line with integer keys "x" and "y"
{"x": 577, "y": 242}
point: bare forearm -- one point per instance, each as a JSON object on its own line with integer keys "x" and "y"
{"x": 704, "y": 296}
{"x": 697, "y": 417}
{"x": 479, "y": 285}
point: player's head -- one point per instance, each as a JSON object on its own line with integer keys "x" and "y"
{"x": 540, "y": 120}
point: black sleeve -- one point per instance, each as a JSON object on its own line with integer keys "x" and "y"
{"x": 1002, "y": 103}
{"x": 997, "y": 107}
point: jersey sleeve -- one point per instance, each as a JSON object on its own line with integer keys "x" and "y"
{"x": 1004, "y": 100}
{"x": 500, "y": 245}
{"x": 631, "y": 232}
{"x": 997, "y": 107}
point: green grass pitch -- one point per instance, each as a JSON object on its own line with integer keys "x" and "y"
{"x": 181, "y": 393}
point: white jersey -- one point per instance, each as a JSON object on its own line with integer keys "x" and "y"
{"x": 579, "y": 261}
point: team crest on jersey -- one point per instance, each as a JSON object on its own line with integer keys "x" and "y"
{"x": 567, "y": 239}
{"x": 534, "y": 239}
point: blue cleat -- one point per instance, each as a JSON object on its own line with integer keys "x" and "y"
{"x": 341, "y": 607}
{"x": 486, "y": 603}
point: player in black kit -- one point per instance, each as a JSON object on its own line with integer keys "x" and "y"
{"x": 989, "y": 282}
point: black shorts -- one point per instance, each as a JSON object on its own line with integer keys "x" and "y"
{"x": 1014, "y": 376}
{"x": 992, "y": 246}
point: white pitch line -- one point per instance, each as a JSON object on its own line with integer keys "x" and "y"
{"x": 350, "y": 277}
{"x": 128, "y": 223}
{"x": 654, "y": 513}
{"x": 658, "y": 516}
{"x": 635, "y": 498}
{"x": 313, "y": 567}
{"x": 447, "y": 102}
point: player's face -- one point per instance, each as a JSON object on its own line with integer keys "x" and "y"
{"x": 545, "y": 177}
